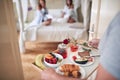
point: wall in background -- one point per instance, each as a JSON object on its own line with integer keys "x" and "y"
{"x": 107, "y": 13}
{"x": 55, "y": 4}
{"x": 100, "y": 19}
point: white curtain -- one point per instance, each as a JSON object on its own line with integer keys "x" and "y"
{"x": 21, "y": 23}
{"x": 76, "y": 6}
{"x": 33, "y": 3}
{"x": 85, "y": 9}
{"x": 22, "y": 10}
{"x": 24, "y": 4}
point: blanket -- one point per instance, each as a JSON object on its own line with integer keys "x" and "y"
{"x": 54, "y": 32}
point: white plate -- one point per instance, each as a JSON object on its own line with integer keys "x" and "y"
{"x": 87, "y": 64}
{"x": 54, "y": 65}
{"x": 82, "y": 71}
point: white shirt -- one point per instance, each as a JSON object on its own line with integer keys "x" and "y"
{"x": 40, "y": 17}
{"x": 110, "y": 48}
{"x": 69, "y": 12}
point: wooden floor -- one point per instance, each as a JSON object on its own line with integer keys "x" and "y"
{"x": 29, "y": 72}
{"x": 33, "y": 49}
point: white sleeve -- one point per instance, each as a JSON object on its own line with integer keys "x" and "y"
{"x": 70, "y": 12}
{"x": 110, "y": 58}
{"x": 65, "y": 9}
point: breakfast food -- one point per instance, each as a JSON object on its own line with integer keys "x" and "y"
{"x": 61, "y": 52}
{"x": 76, "y": 74}
{"x": 38, "y": 61}
{"x": 84, "y": 43}
{"x": 49, "y": 56}
{"x": 74, "y": 48}
{"x": 81, "y": 60}
{"x": 86, "y": 49}
{"x": 52, "y": 59}
{"x": 84, "y": 53}
{"x": 71, "y": 70}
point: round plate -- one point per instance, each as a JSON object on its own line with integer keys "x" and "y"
{"x": 87, "y": 64}
{"x": 54, "y": 65}
{"x": 82, "y": 71}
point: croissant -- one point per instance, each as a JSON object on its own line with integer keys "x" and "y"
{"x": 71, "y": 70}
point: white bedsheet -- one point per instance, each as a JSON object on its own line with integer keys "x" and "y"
{"x": 55, "y": 32}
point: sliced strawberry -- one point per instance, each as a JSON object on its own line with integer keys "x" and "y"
{"x": 54, "y": 60}
{"x": 50, "y": 61}
{"x": 47, "y": 60}
{"x": 64, "y": 55}
{"x": 74, "y": 58}
{"x": 74, "y": 48}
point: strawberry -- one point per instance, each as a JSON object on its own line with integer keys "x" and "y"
{"x": 66, "y": 41}
{"x": 54, "y": 60}
{"x": 74, "y": 58}
{"x": 74, "y": 48}
{"x": 47, "y": 60}
{"x": 50, "y": 61}
{"x": 64, "y": 55}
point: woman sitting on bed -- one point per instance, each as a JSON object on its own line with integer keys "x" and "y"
{"x": 68, "y": 12}
{"x": 41, "y": 14}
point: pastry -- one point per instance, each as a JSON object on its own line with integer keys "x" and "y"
{"x": 66, "y": 73}
{"x": 70, "y": 70}
{"x": 76, "y": 74}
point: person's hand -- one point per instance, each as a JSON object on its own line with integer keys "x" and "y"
{"x": 48, "y": 74}
{"x": 94, "y": 43}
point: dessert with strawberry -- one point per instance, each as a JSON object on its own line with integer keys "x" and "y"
{"x": 62, "y": 52}
{"x": 52, "y": 58}
{"x": 74, "y": 48}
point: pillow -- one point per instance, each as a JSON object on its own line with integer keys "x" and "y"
{"x": 56, "y": 13}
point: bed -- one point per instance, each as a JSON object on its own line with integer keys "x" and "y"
{"x": 57, "y": 31}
